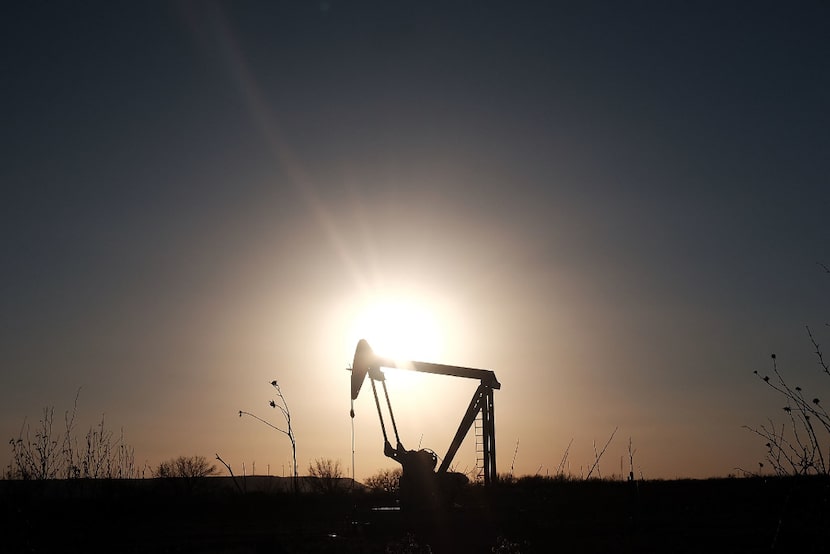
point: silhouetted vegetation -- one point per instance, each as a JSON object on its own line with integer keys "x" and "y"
{"x": 385, "y": 480}
{"x": 54, "y": 452}
{"x": 281, "y": 405}
{"x": 185, "y": 467}
{"x": 326, "y": 474}
{"x": 801, "y": 444}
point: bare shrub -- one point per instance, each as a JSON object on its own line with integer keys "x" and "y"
{"x": 51, "y": 453}
{"x": 326, "y": 473}
{"x": 39, "y": 457}
{"x": 801, "y": 444}
{"x": 797, "y": 445}
{"x": 385, "y": 480}
{"x": 187, "y": 467}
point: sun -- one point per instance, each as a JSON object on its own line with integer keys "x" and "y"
{"x": 399, "y": 326}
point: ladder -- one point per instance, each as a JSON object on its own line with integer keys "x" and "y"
{"x": 479, "y": 431}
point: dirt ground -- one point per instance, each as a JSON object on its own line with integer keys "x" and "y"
{"x": 531, "y": 515}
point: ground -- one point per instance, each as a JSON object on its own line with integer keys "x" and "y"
{"x": 531, "y": 515}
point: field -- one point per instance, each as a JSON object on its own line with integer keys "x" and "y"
{"x": 211, "y": 515}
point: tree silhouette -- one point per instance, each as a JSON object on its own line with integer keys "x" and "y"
{"x": 326, "y": 474}
{"x": 188, "y": 467}
{"x": 385, "y": 480}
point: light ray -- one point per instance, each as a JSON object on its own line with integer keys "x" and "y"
{"x": 265, "y": 119}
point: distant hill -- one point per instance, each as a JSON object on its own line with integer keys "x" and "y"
{"x": 270, "y": 483}
{"x": 80, "y": 488}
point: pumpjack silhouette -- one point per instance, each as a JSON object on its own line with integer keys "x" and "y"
{"x": 421, "y": 485}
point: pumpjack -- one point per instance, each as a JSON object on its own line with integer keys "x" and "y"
{"x": 421, "y": 484}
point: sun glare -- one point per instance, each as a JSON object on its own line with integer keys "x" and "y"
{"x": 400, "y": 327}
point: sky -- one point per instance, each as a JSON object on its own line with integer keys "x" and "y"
{"x": 618, "y": 207}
